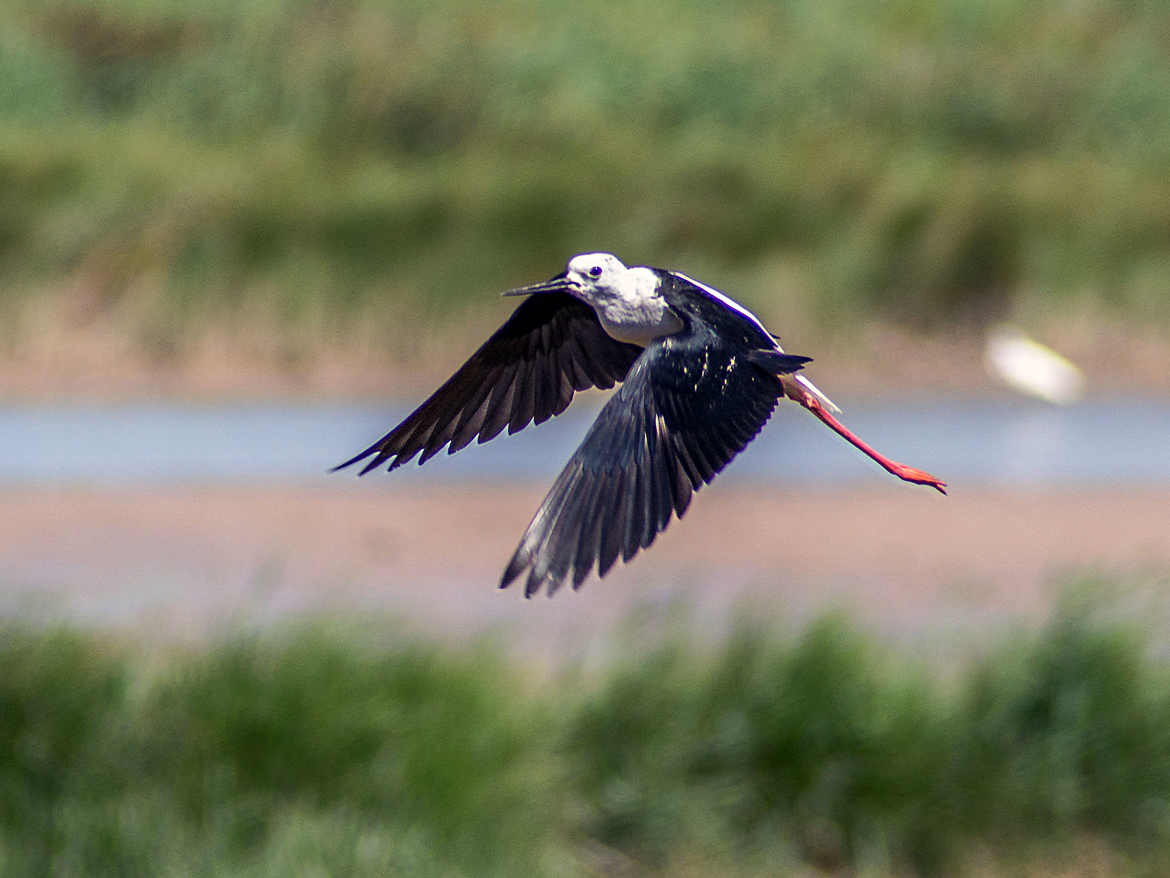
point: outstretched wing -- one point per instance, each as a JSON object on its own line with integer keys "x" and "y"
{"x": 686, "y": 409}
{"x": 528, "y": 371}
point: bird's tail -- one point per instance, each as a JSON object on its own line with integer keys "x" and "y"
{"x": 792, "y": 393}
{"x": 818, "y": 393}
{"x": 778, "y": 362}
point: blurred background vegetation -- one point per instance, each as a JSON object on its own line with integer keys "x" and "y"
{"x": 327, "y": 750}
{"x": 307, "y": 167}
{"x": 366, "y": 175}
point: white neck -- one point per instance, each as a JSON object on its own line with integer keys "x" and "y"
{"x": 634, "y": 311}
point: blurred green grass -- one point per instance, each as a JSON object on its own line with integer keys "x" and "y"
{"x": 349, "y": 750}
{"x": 358, "y": 166}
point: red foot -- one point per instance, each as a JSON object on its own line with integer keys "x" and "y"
{"x": 907, "y": 473}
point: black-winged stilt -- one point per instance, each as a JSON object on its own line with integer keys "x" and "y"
{"x": 700, "y": 376}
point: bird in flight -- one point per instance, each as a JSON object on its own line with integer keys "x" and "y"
{"x": 699, "y": 375}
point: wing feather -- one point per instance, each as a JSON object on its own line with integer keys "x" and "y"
{"x": 661, "y": 437}
{"x": 528, "y": 371}
{"x": 499, "y": 410}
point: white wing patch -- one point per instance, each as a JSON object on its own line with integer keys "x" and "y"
{"x": 740, "y": 309}
{"x": 726, "y": 300}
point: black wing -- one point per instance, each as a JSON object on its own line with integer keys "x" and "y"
{"x": 528, "y": 371}
{"x": 688, "y": 406}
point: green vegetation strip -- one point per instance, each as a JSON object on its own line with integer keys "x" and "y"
{"x": 925, "y": 160}
{"x": 334, "y": 751}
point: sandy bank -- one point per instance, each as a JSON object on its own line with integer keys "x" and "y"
{"x": 905, "y": 561}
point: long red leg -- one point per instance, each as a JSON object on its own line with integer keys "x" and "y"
{"x": 797, "y": 393}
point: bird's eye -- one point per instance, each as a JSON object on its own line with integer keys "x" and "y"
{"x": 595, "y": 271}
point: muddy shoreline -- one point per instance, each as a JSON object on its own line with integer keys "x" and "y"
{"x": 194, "y": 563}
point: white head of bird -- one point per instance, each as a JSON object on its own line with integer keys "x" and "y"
{"x": 628, "y": 301}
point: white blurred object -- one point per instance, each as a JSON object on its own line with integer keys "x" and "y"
{"x": 1031, "y": 368}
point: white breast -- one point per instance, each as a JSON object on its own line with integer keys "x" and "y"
{"x": 640, "y": 327}
{"x": 638, "y": 315}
